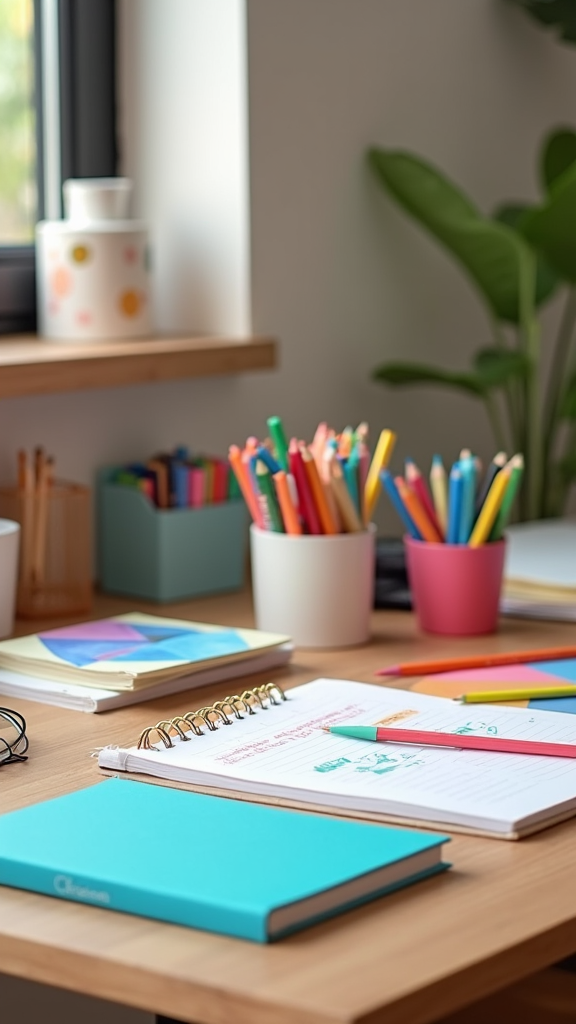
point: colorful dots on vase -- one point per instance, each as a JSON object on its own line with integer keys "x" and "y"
{"x": 130, "y": 254}
{"x": 84, "y": 317}
{"x": 80, "y": 253}
{"x": 61, "y": 282}
{"x": 131, "y": 302}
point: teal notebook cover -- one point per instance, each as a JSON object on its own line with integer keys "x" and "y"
{"x": 228, "y": 866}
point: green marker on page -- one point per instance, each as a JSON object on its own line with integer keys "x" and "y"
{"x": 279, "y": 441}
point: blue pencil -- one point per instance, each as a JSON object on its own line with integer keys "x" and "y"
{"x": 467, "y": 511}
{"x": 454, "y": 504}
{"x": 268, "y": 459}
{"x": 392, "y": 491}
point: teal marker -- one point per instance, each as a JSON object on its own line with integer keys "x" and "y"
{"x": 356, "y": 732}
{"x": 279, "y": 440}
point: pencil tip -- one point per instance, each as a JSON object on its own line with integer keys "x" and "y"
{"x": 392, "y": 670}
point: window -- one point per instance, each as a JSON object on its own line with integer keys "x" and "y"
{"x": 57, "y": 121}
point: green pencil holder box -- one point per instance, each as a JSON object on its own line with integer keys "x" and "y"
{"x": 167, "y": 554}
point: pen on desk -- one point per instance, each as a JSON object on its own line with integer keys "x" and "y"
{"x": 466, "y": 741}
{"x": 426, "y": 668}
{"x": 520, "y": 693}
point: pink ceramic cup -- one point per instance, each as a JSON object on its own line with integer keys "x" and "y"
{"x": 455, "y": 588}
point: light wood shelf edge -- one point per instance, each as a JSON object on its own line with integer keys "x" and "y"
{"x": 31, "y": 366}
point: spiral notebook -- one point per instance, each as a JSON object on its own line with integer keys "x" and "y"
{"x": 221, "y": 865}
{"x": 267, "y": 744}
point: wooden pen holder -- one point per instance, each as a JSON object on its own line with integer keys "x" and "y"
{"x": 55, "y": 570}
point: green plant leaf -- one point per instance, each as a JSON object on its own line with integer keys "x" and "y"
{"x": 496, "y": 366}
{"x": 403, "y": 374}
{"x": 557, "y": 155}
{"x": 567, "y": 410}
{"x": 560, "y": 13}
{"x": 551, "y": 228}
{"x": 493, "y": 254}
{"x": 547, "y": 280}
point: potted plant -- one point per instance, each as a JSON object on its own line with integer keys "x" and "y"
{"x": 518, "y": 258}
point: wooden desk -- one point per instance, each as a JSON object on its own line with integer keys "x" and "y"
{"x": 504, "y": 911}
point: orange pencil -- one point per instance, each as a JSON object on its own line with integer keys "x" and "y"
{"x": 241, "y": 471}
{"x": 289, "y": 513}
{"x": 417, "y": 511}
{"x": 327, "y": 520}
{"x": 425, "y": 668}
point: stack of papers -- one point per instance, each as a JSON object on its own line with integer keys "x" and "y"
{"x": 93, "y": 666}
{"x": 540, "y": 571}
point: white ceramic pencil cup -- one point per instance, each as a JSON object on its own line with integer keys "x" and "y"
{"x": 318, "y": 590}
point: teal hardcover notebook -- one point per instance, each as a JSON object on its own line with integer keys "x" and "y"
{"x": 226, "y": 866}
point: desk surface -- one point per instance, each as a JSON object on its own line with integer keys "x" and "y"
{"x": 504, "y": 911}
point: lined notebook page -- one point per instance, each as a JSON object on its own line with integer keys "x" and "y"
{"x": 284, "y": 751}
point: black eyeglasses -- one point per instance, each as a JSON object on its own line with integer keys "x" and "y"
{"x": 13, "y": 738}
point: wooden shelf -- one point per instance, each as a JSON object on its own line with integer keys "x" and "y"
{"x": 32, "y": 366}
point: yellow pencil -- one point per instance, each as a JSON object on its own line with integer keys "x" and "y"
{"x": 380, "y": 460}
{"x": 490, "y": 508}
{"x": 439, "y": 492}
{"x": 528, "y": 693}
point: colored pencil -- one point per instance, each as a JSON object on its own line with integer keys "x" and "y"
{"x": 526, "y": 693}
{"x": 517, "y": 465}
{"x": 327, "y": 521}
{"x": 490, "y": 508}
{"x": 438, "y": 486}
{"x": 268, "y": 491}
{"x": 465, "y": 741}
{"x": 417, "y": 512}
{"x": 380, "y": 460}
{"x": 428, "y": 668}
{"x": 454, "y": 504}
{"x": 279, "y": 441}
{"x": 498, "y": 463}
{"x": 287, "y": 507}
{"x": 468, "y": 470}
{"x": 349, "y": 515}
{"x": 416, "y": 482}
{"x": 306, "y": 506}
{"x": 240, "y": 470}
{"x": 392, "y": 491}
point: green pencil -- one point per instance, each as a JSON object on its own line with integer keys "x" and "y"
{"x": 267, "y": 489}
{"x": 501, "y": 522}
{"x": 279, "y": 440}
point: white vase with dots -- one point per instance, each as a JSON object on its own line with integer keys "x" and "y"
{"x": 92, "y": 267}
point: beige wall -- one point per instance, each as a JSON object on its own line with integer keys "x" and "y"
{"x": 338, "y": 274}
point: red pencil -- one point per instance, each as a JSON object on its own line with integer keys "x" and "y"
{"x": 306, "y": 505}
{"x": 417, "y": 482}
{"x": 427, "y": 738}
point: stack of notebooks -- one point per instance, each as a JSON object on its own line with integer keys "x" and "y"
{"x": 95, "y": 666}
{"x": 540, "y": 571}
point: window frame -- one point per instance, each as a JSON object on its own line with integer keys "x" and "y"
{"x": 84, "y": 91}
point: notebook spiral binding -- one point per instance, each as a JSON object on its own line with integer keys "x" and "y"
{"x": 211, "y": 716}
